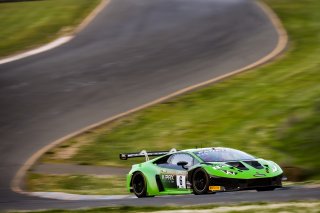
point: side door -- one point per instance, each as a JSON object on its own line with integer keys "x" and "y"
{"x": 174, "y": 176}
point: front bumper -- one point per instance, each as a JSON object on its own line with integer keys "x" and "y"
{"x": 233, "y": 184}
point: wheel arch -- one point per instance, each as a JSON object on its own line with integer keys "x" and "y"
{"x": 150, "y": 179}
{"x": 202, "y": 166}
{"x": 190, "y": 173}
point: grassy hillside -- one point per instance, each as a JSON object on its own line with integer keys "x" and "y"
{"x": 27, "y": 24}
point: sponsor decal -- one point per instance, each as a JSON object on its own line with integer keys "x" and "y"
{"x": 169, "y": 178}
{"x": 214, "y": 188}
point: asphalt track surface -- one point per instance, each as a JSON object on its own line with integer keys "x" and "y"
{"x": 133, "y": 52}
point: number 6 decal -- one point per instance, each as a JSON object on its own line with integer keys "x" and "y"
{"x": 181, "y": 181}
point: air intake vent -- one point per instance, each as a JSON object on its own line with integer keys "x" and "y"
{"x": 237, "y": 165}
{"x": 254, "y": 164}
{"x": 159, "y": 183}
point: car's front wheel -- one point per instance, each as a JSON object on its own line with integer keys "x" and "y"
{"x": 139, "y": 185}
{"x": 200, "y": 181}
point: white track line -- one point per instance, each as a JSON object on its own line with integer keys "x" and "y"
{"x": 41, "y": 49}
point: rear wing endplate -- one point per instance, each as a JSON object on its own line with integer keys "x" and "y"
{"x": 144, "y": 153}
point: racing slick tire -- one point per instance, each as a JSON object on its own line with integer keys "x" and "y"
{"x": 139, "y": 185}
{"x": 200, "y": 182}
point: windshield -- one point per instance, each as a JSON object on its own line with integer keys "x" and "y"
{"x": 222, "y": 154}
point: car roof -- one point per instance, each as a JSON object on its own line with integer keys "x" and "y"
{"x": 202, "y": 149}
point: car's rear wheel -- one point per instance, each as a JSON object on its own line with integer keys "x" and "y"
{"x": 139, "y": 185}
{"x": 263, "y": 189}
{"x": 200, "y": 181}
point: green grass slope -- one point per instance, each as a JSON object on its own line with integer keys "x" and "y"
{"x": 77, "y": 184}
{"x": 28, "y": 24}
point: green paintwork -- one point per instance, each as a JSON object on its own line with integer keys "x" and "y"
{"x": 150, "y": 170}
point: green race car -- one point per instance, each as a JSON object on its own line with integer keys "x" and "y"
{"x": 200, "y": 171}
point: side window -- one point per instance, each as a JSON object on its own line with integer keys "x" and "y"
{"x": 175, "y": 158}
{"x": 162, "y": 160}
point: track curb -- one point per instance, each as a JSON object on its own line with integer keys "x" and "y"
{"x": 280, "y": 47}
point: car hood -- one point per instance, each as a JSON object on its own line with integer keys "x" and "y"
{"x": 257, "y": 168}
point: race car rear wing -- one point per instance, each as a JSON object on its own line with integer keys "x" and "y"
{"x": 144, "y": 153}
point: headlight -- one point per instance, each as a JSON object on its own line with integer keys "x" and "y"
{"x": 217, "y": 167}
{"x": 274, "y": 168}
{"x": 229, "y": 172}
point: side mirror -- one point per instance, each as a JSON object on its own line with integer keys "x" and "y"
{"x": 182, "y": 164}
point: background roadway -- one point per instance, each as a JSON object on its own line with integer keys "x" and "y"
{"x": 132, "y": 53}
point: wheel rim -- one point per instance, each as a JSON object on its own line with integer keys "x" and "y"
{"x": 138, "y": 184}
{"x": 200, "y": 181}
